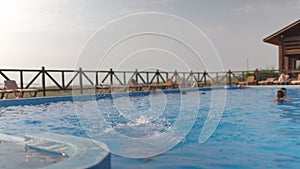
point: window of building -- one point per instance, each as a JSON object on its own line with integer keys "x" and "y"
{"x": 297, "y": 64}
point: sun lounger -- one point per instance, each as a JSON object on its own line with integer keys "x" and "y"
{"x": 294, "y": 82}
{"x": 181, "y": 83}
{"x": 134, "y": 86}
{"x": 169, "y": 84}
{"x": 106, "y": 88}
{"x": 250, "y": 80}
{"x": 101, "y": 88}
{"x": 151, "y": 86}
{"x": 119, "y": 88}
{"x": 137, "y": 87}
{"x": 11, "y": 86}
{"x": 267, "y": 81}
{"x": 4, "y": 93}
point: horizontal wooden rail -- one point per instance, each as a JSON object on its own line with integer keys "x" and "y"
{"x": 81, "y": 79}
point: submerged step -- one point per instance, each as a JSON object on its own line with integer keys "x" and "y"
{"x": 60, "y": 151}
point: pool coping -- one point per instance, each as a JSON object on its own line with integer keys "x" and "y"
{"x": 273, "y": 86}
{"x": 82, "y": 153}
{"x": 85, "y": 97}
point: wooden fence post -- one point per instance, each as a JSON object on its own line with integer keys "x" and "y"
{"x": 175, "y": 75}
{"x": 63, "y": 79}
{"x": 124, "y": 78}
{"x": 147, "y": 76}
{"x": 111, "y": 73}
{"x": 80, "y": 80}
{"x": 191, "y": 76}
{"x": 157, "y": 76}
{"x": 21, "y": 79}
{"x": 136, "y": 76}
{"x": 229, "y": 78}
{"x": 257, "y": 75}
{"x": 204, "y": 76}
{"x": 97, "y": 79}
{"x": 43, "y": 81}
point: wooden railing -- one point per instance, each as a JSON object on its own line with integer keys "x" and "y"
{"x": 86, "y": 79}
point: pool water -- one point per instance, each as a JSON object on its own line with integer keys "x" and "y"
{"x": 13, "y": 156}
{"x": 254, "y": 132}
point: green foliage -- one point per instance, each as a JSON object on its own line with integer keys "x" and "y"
{"x": 266, "y": 73}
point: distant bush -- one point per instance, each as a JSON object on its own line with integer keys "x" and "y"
{"x": 264, "y": 74}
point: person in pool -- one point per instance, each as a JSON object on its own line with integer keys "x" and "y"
{"x": 280, "y": 96}
{"x": 284, "y": 91}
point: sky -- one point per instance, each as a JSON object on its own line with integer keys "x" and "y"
{"x": 142, "y": 34}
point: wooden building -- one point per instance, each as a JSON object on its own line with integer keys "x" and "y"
{"x": 288, "y": 42}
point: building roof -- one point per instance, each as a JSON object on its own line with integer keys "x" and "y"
{"x": 290, "y": 30}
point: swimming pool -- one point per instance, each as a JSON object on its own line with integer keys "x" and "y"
{"x": 254, "y": 132}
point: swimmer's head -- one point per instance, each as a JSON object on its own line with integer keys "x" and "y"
{"x": 280, "y": 94}
{"x": 283, "y": 90}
